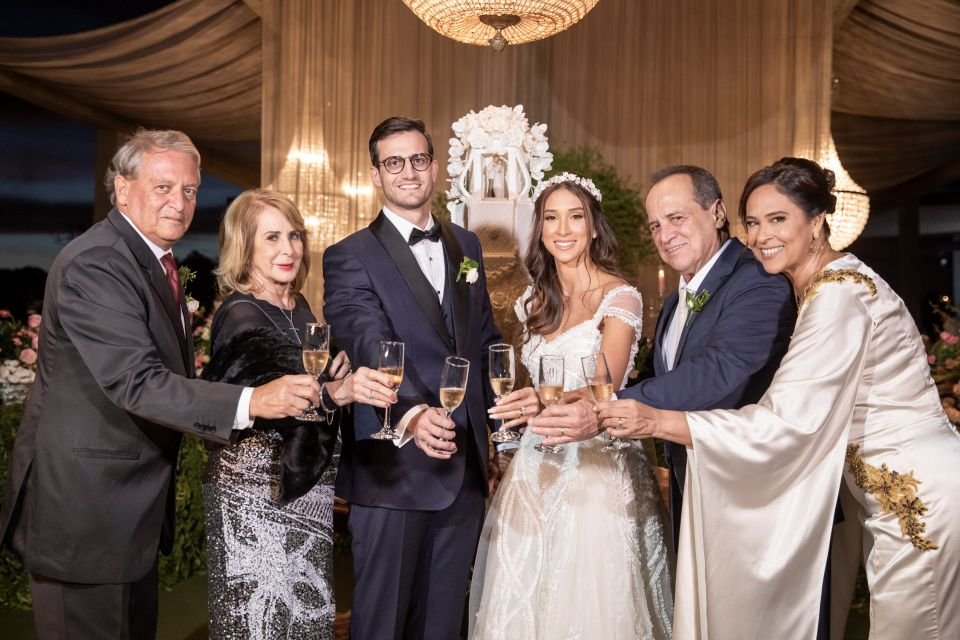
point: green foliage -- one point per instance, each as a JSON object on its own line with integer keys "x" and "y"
{"x": 622, "y": 204}
{"x": 14, "y": 587}
{"x": 188, "y": 556}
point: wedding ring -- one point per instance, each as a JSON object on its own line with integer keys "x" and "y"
{"x": 620, "y": 423}
{"x": 522, "y": 410}
{"x": 369, "y": 395}
{"x": 562, "y": 434}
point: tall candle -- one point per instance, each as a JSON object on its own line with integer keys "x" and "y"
{"x": 660, "y": 282}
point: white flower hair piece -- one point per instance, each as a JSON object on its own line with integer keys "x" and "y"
{"x": 586, "y": 183}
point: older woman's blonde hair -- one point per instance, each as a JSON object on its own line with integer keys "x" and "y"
{"x": 237, "y": 231}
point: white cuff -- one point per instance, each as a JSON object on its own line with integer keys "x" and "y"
{"x": 405, "y": 422}
{"x": 242, "y": 419}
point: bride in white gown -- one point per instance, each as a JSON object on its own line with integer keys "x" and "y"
{"x": 573, "y": 544}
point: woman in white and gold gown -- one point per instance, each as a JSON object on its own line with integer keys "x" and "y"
{"x": 853, "y": 399}
{"x": 573, "y": 544}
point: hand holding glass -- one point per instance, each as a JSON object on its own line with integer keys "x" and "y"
{"x": 391, "y": 363}
{"x": 502, "y": 377}
{"x": 597, "y": 375}
{"x": 316, "y": 353}
{"x": 550, "y": 389}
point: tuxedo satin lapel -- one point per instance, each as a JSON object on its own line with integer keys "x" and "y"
{"x": 157, "y": 277}
{"x": 719, "y": 273}
{"x": 460, "y": 293}
{"x": 399, "y": 251}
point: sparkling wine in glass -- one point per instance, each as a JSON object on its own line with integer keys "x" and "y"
{"x": 391, "y": 363}
{"x": 316, "y": 353}
{"x": 503, "y": 375}
{"x": 453, "y": 383}
{"x": 550, "y": 388}
{"x": 597, "y": 375}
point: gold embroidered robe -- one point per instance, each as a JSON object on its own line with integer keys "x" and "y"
{"x": 762, "y": 481}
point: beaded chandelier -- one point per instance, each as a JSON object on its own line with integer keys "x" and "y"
{"x": 499, "y": 22}
{"x": 853, "y": 203}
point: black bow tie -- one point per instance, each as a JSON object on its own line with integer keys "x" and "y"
{"x": 417, "y": 235}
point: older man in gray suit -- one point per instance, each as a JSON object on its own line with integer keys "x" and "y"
{"x": 89, "y": 500}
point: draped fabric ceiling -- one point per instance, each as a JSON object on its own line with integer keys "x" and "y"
{"x": 727, "y": 84}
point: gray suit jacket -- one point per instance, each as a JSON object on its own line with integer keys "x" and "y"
{"x": 90, "y": 493}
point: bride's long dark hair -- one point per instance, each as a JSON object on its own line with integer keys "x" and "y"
{"x": 544, "y": 308}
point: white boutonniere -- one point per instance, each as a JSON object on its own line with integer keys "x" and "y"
{"x": 695, "y": 303}
{"x": 187, "y": 275}
{"x": 468, "y": 270}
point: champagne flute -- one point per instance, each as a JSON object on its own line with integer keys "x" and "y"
{"x": 453, "y": 383}
{"x": 550, "y": 389}
{"x": 391, "y": 363}
{"x": 597, "y": 375}
{"x": 503, "y": 371}
{"x": 316, "y": 353}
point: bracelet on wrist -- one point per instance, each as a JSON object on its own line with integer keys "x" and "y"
{"x": 324, "y": 397}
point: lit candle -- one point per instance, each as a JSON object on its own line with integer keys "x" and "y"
{"x": 660, "y": 282}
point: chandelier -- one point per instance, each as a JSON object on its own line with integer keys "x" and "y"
{"x": 499, "y": 22}
{"x": 853, "y": 204}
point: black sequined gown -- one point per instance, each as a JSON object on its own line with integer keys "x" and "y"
{"x": 270, "y": 568}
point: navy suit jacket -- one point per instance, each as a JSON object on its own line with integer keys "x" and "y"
{"x": 374, "y": 290}
{"x": 729, "y": 351}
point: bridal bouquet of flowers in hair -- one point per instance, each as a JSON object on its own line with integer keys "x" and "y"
{"x": 18, "y": 355}
{"x": 494, "y": 131}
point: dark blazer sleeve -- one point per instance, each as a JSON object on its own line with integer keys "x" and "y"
{"x": 754, "y": 326}
{"x": 359, "y": 321}
{"x": 102, "y": 309}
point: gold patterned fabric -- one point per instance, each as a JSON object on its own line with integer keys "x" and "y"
{"x": 896, "y": 493}
{"x": 762, "y": 482}
{"x": 837, "y": 276}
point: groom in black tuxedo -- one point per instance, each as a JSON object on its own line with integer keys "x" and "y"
{"x": 416, "y": 503}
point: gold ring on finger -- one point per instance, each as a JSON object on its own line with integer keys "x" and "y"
{"x": 562, "y": 434}
{"x": 523, "y": 410}
{"x": 620, "y": 423}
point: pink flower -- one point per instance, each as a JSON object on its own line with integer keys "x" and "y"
{"x": 4, "y": 313}
{"x": 28, "y": 356}
{"x": 932, "y": 359}
{"x": 16, "y": 341}
{"x": 33, "y": 320}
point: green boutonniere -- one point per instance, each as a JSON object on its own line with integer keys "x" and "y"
{"x": 696, "y": 302}
{"x": 188, "y": 275}
{"x": 468, "y": 270}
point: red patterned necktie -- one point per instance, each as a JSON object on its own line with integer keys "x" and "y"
{"x": 173, "y": 277}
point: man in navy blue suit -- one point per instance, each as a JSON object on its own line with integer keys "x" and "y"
{"x": 417, "y": 502}
{"x": 719, "y": 338}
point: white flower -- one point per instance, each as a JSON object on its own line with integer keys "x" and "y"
{"x": 472, "y": 276}
{"x": 494, "y": 131}
{"x": 193, "y": 305}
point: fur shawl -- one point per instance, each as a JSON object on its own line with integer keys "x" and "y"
{"x": 255, "y": 357}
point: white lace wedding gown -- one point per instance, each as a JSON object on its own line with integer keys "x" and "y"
{"x": 573, "y": 544}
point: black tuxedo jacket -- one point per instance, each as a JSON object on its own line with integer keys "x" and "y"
{"x": 374, "y": 290}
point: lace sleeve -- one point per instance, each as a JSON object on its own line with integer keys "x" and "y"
{"x": 623, "y": 303}
{"x": 519, "y": 307}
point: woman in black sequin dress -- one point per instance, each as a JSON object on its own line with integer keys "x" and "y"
{"x": 269, "y": 496}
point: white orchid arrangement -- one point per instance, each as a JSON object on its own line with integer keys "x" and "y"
{"x": 493, "y": 130}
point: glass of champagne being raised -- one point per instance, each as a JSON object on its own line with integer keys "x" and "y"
{"x": 550, "y": 388}
{"x": 453, "y": 383}
{"x": 391, "y": 363}
{"x": 597, "y": 375}
{"x": 503, "y": 370}
{"x": 316, "y": 353}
